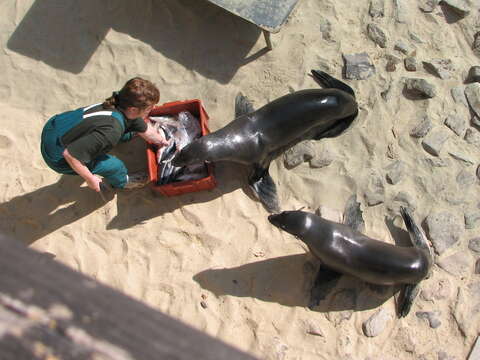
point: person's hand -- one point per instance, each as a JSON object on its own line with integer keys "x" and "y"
{"x": 94, "y": 183}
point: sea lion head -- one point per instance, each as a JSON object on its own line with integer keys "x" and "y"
{"x": 193, "y": 153}
{"x": 295, "y": 222}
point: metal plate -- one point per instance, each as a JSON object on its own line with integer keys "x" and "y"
{"x": 269, "y": 15}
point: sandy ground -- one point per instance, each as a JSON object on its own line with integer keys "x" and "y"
{"x": 218, "y": 246}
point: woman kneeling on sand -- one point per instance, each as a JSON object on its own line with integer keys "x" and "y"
{"x": 77, "y": 142}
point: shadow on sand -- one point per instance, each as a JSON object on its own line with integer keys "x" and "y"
{"x": 287, "y": 280}
{"x": 200, "y": 36}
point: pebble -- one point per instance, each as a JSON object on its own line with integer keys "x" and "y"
{"x": 474, "y": 244}
{"x": 457, "y": 124}
{"x": 358, "y": 66}
{"x": 326, "y": 30}
{"x": 377, "y": 323}
{"x": 411, "y": 63}
{"x": 377, "y": 8}
{"x": 313, "y": 329}
{"x": 442, "y": 355}
{"x": 428, "y": 6}
{"x": 431, "y": 317}
{"x": 203, "y": 304}
{"x": 422, "y": 128}
{"x": 325, "y": 158}
{"x": 434, "y": 140}
{"x": 395, "y": 172}
{"x": 472, "y": 93}
{"x": 476, "y": 44}
{"x": 404, "y": 48}
{"x": 458, "y": 95}
{"x": 303, "y": 151}
{"x": 465, "y": 178}
{"x": 472, "y": 136}
{"x": 443, "y": 68}
{"x": 460, "y": 7}
{"x": 377, "y": 35}
{"x": 419, "y": 88}
{"x": 401, "y": 11}
{"x": 462, "y": 156}
{"x": 477, "y": 267}
{"x": 392, "y": 62}
{"x": 445, "y": 229}
{"x": 472, "y": 219}
{"x": 474, "y": 74}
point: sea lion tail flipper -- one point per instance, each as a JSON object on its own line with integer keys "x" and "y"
{"x": 330, "y": 82}
{"x": 325, "y": 281}
{"x": 406, "y": 299}
{"x": 265, "y": 189}
{"x": 352, "y": 215}
{"x": 243, "y": 105}
{"x": 417, "y": 235}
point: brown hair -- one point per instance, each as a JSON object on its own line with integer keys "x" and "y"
{"x": 136, "y": 92}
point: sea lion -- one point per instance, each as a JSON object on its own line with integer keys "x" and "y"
{"x": 256, "y": 138}
{"x": 344, "y": 250}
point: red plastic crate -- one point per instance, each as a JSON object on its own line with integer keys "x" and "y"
{"x": 195, "y": 107}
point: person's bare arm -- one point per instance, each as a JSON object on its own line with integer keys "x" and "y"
{"x": 93, "y": 181}
{"x": 152, "y": 136}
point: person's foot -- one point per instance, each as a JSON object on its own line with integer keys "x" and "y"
{"x": 137, "y": 180}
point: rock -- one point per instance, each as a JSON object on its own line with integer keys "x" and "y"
{"x": 395, "y": 172}
{"x": 472, "y": 219}
{"x": 478, "y": 172}
{"x": 460, "y": 7}
{"x": 392, "y": 62}
{"x": 404, "y": 48}
{"x": 474, "y": 74}
{"x": 373, "y": 198}
{"x": 457, "y": 124}
{"x": 401, "y": 11}
{"x": 326, "y": 30}
{"x": 415, "y": 38}
{"x": 476, "y": 44}
{"x": 411, "y": 63}
{"x": 458, "y": 95}
{"x": 434, "y": 140}
{"x": 472, "y": 136}
{"x": 419, "y": 88}
{"x": 422, "y": 128}
{"x": 375, "y": 193}
{"x": 325, "y": 158}
{"x": 406, "y": 200}
{"x": 377, "y": 8}
{"x": 358, "y": 66}
{"x": 375, "y": 325}
{"x": 472, "y": 93}
{"x": 431, "y": 317}
{"x": 458, "y": 264}
{"x": 203, "y": 304}
{"x": 462, "y": 156}
{"x": 477, "y": 267}
{"x": 475, "y": 353}
{"x": 428, "y": 6}
{"x": 437, "y": 162}
{"x": 474, "y": 244}
{"x": 444, "y": 229}
{"x": 439, "y": 290}
{"x": 313, "y": 329}
{"x": 303, "y": 151}
{"x": 377, "y": 35}
{"x": 465, "y": 178}
{"x": 443, "y": 68}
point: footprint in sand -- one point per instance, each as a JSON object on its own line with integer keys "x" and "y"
{"x": 5, "y": 142}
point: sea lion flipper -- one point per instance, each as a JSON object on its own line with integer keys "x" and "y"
{"x": 265, "y": 189}
{"x": 352, "y": 215}
{"x": 325, "y": 281}
{"x": 417, "y": 235}
{"x": 243, "y": 105}
{"x": 329, "y": 81}
{"x": 406, "y": 298}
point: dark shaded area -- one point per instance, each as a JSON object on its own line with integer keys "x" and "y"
{"x": 287, "y": 280}
{"x": 451, "y": 16}
{"x": 31, "y": 216}
{"x": 399, "y": 235}
{"x": 96, "y": 321}
{"x": 200, "y": 36}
